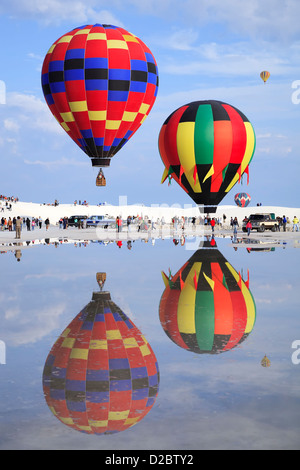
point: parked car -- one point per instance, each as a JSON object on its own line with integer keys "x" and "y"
{"x": 96, "y": 220}
{"x": 262, "y": 222}
{"x": 73, "y": 221}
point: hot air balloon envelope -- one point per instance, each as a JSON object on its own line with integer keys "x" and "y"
{"x": 101, "y": 375}
{"x": 207, "y": 307}
{"x": 100, "y": 82}
{"x": 206, "y": 146}
{"x": 242, "y": 199}
{"x": 265, "y": 75}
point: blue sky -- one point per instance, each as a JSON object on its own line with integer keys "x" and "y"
{"x": 208, "y": 49}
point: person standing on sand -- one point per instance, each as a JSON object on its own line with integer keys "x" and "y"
{"x": 47, "y": 223}
{"x": 284, "y": 221}
{"x": 248, "y": 227}
{"x": 295, "y": 224}
{"x": 18, "y": 227}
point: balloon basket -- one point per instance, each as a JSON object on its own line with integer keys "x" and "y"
{"x": 100, "y": 180}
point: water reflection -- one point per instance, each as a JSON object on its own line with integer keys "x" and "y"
{"x": 101, "y": 375}
{"x": 206, "y": 306}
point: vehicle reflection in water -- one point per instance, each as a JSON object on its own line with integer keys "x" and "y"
{"x": 206, "y": 306}
{"x": 101, "y": 375}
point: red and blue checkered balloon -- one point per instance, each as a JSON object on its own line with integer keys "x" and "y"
{"x": 100, "y": 82}
{"x": 101, "y": 375}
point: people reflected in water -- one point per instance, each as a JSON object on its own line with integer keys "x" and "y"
{"x": 206, "y": 306}
{"x": 101, "y": 375}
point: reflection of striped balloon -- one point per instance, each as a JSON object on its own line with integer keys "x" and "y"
{"x": 206, "y": 146}
{"x": 101, "y": 375}
{"x": 207, "y": 307}
{"x": 242, "y": 199}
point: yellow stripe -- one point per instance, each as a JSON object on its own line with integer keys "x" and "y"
{"x": 65, "y": 39}
{"x": 130, "y": 38}
{"x": 65, "y": 332}
{"x": 83, "y": 428}
{"x": 250, "y": 146}
{"x": 51, "y": 49}
{"x": 67, "y": 117}
{"x": 112, "y": 125}
{"x": 186, "y": 152}
{"x": 250, "y": 305}
{"x": 98, "y": 424}
{"x": 77, "y": 353}
{"x": 68, "y": 343}
{"x": 98, "y": 344}
{"x": 209, "y": 173}
{"x": 82, "y": 31}
{"x": 210, "y": 281}
{"x": 113, "y": 334}
{"x": 129, "y": 116}
{"x": 117, "y": 415}
{"x": 145, "y": 350}
{"x": 101, "y": 36}
{"x": 130, "y": 343}
{"x": 186, "y": 303}
{"x": 144, "y": 108}
{"x": 116, "y": 44}
{"x": 65, "y": 126}
{"x": 77, "y": 106}
{"x": 68, "y": 421}
{"x": 97, "y": 115}
{"x": 132, "y": 421}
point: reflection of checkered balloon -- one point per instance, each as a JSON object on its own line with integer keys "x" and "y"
{"x": 100, "y": 82}
{"x": 101, "y": 375}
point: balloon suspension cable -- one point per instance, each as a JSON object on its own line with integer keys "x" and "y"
{"x": 100, "y": 180}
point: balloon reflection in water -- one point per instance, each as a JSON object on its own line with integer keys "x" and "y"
{"x": 207, "y": 307}
{"x": 101, "y": 376}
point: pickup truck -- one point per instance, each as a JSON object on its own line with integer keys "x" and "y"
{"x": 96, "y": 220}
{"x": 262, "y": 222}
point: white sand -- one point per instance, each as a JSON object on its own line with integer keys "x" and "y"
{"x": 74, "y": 235}
{"x": 66, "y": 210}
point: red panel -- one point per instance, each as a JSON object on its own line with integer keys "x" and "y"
{"x": 239, "y": 136}
{"x": 170, "y": 138}
{"x": 222, "y": 302}
{"x": 239, "y": 319}
{"x": 222, "y": 151}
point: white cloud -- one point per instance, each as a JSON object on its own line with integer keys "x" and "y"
{"x": 55, "y": 163}
{"x": 11, "y": 125}
{"x": 57, "y": 11}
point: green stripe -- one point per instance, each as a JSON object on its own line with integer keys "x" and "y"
{"x": 204, "y": 135}
{"x": 205, "y": 320}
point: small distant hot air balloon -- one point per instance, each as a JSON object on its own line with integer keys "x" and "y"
{"x": 265, "y": 75}
{"x": 242, "y": 199}
{"x": 265, "y": 362}
{"x": 101, "y": 375}
{"x": 100, "y": 83}
{"x": 207, "y": 307}
{"x": 206, "y": 146}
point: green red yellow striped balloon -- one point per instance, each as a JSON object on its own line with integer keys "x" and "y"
{"x": 206, "y": 146}
{"x": 207, "y": 307}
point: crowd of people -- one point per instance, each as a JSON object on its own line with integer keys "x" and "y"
{"x": 15, "y": 224}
